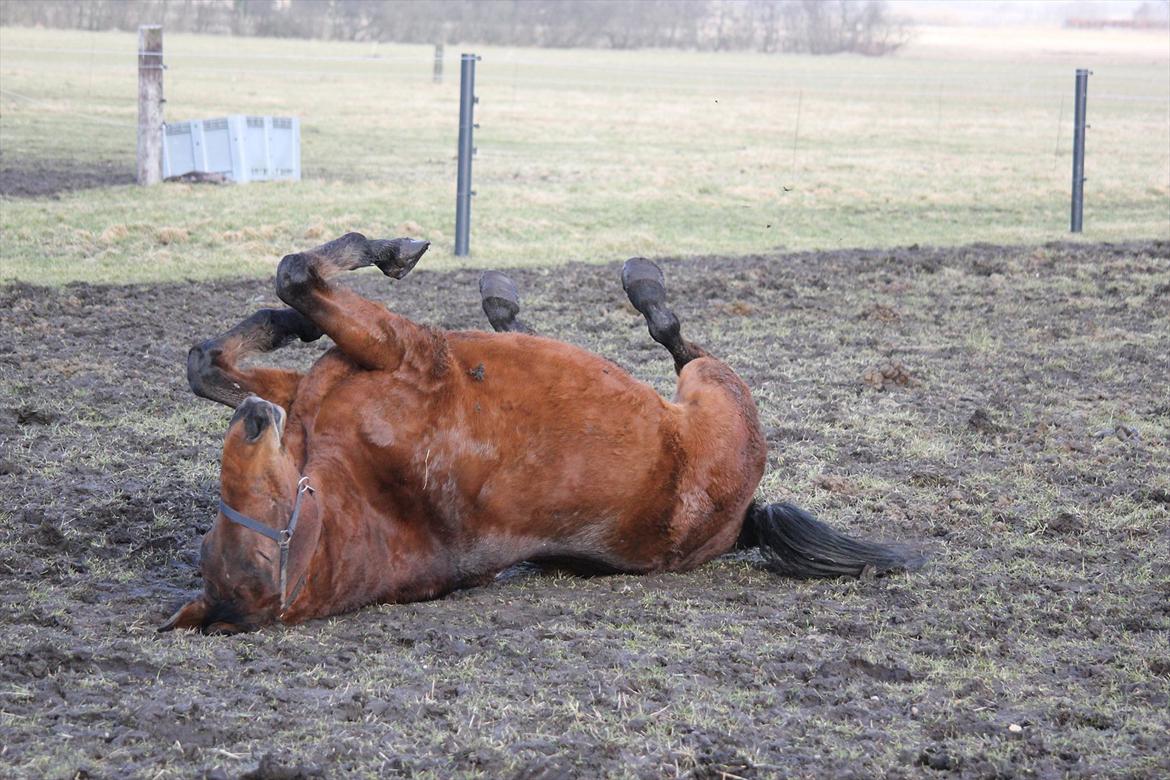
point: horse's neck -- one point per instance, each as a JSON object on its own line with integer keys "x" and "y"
{"x": 364, "y": 556}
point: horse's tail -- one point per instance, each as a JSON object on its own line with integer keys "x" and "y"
{"x": 796, "y": 544}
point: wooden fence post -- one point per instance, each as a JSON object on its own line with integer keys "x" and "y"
{"x": 150, "y": 104}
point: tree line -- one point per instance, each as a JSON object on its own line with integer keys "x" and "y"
{"x": 809, "y": 26}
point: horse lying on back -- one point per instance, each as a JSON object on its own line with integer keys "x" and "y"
{"x": 410, "y": 461}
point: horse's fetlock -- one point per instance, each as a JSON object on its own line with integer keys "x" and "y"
{"x": 664, "y": 326}
{"x": 268, "y": 318}
{"x": 293, "y": 322}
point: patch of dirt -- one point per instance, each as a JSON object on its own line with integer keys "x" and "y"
{"x": 835, "y": 484}
{"x": 1032, "y": 644}
{"x": 981, "y": 421}
{"x": 50, "y": 178}
{"x": 888, "y": 375}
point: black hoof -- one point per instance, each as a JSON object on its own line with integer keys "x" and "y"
{"x": 397, "y": 256}
{"x": 501, "y": 302}
{"x": 646, "y": 287}
{"x": 199, "y": 368}
{"x": 638, "y": 269}
{"x": 644, "y": 284}
{"x": 493, "y": 284}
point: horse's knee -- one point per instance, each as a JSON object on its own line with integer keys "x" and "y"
{"x": 294, "y": 278}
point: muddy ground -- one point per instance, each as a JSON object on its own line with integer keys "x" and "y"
{"x": 1005, "y": 408}
{"x": 23, "y": 178}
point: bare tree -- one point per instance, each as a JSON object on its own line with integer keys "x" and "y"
{"x": 813, "y": 26}
{"x": 832, "y": 26}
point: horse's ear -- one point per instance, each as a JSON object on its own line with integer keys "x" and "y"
{"x": 190, "y": 615}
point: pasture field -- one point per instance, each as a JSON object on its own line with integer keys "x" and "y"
{"x": 1005, "y": 408}
{"x": 583, "y": 155}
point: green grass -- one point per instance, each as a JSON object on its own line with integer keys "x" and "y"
{"x": 583, "y": 155}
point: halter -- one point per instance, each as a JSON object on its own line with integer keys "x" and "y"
{"x": 282, "y": 538}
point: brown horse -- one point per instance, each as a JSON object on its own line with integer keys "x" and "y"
{"x": 409, "y": 461}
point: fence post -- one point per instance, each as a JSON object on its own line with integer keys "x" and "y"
{"x": 463, "y": 191}
{"x": 150, "y": 100}
{"x": 438, "y": 75}
{"x": 1078, "y": 172}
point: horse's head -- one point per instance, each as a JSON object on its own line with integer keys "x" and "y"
{"x": 265, "y": 532}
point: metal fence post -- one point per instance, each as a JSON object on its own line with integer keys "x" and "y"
{"x": 463, "y": 191}
{"x": 438, "y": 72}
{"x": 1078, "y": 171}
{"x": 150, "y": 104}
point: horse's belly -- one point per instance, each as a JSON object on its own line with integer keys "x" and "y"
{"x": 592, "y": 478}
{"x": 579, "y": 466}
{"x": 548, "y": 452}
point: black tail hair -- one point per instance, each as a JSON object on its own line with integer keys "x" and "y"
{"x": 796, "y": 544}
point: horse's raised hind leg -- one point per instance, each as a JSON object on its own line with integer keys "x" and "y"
{"x": 366, "y": 332}
{"x": 213, "y": 369}
{"x": 646, "y": 288}
{"x": 501, "y": 303}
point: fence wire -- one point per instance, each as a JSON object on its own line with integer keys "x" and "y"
{"x": 843, "y": 103}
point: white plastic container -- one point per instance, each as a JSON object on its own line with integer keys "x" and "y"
{"x": 241, "y": 148}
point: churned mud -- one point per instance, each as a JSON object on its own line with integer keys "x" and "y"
{"x": 1004, "y": 408}
{"x": 41, "y": 178}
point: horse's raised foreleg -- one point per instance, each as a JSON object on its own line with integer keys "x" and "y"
{"x": 646, "y": 288}
{"x": 213, "y": 369}
{"x": 366, "y": 332}
{"x": 501, "y": 303}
